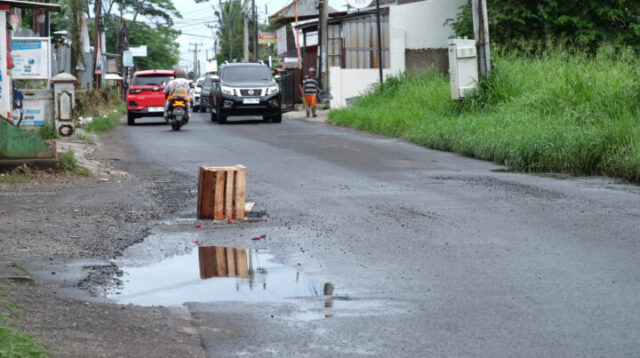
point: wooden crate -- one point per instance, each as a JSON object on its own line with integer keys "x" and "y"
{"x": 222, "y": 192}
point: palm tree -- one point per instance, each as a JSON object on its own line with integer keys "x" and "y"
{"x": 230, "y": 21}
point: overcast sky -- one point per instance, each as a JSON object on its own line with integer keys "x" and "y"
{"x": 196, "y": 17}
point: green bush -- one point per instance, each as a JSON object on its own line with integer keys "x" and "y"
{"x": 48, "y": 131}
{"x": 562, "y": 111}
{"x": 69, "y": 164}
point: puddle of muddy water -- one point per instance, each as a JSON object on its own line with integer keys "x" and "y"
{"x": 211, "y": 274}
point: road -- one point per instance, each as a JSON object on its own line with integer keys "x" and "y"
{"x": 431, "y": 254}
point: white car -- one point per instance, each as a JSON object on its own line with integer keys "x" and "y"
{"x": 196, "y": 94}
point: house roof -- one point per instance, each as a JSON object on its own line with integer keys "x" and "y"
{"x": 32, "y": 5}
{"x": 306, "y": 9}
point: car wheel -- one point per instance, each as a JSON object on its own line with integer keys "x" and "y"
{"x": 222, "y": 118}
{"x": 277, "y": 118}
{"x": 202, "y": 109}
{"x": 214, "y": 118}
{"x": 131, "y": 119}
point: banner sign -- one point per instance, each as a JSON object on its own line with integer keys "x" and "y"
{"x": 311, "y": 38}
{"x": 33, "y": 113}
{"x": 31, "y": 58}
{"x": 127, "y": 59}
{"x": 267, "y": 38}
{"x": 359, "y": 4}
{"x": 140, "y": 51}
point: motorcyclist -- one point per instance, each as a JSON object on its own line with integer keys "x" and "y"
{"x": 177, "y": 88}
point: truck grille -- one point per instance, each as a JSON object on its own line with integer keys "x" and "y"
{"x": 252, "y": 92}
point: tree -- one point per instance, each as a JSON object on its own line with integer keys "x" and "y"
{"x": 584, "y": 23}
{"x": 230, "y": 29}
{"x": 162, "y": 48}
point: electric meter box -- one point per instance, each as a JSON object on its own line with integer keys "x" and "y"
{"x": 463, "y": 67}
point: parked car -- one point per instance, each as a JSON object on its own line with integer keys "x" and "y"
{"x": 246, "y": 89}
{"x": 197, "y": 94}
{"x": 145, "y": 97}
{"x": 205, "y": 92}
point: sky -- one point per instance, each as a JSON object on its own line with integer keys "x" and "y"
{"x": 196, "y": 17}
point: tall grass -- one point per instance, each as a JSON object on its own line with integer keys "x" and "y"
{"x": 562, "y": 111}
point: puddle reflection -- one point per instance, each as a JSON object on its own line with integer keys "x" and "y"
{"x": 214, "y": 273}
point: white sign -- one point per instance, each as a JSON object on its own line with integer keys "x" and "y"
{"x": 311, "y": 38}
{"x": 359, "y": 4}
{"x": 282, "y": 40}
{"x": 140, "y": 51}
{"x": 30, "y": 58}
{"x": 5, "y": 80}
{"x": 127, "y": 59}
{"x": 32, "y": 113}
{"x": 212, "y": 66}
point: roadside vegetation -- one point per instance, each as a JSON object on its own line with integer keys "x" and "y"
{"x": 69, "y": 164}
{"x": 560, "y": 110}
{"x": 103, "y": 107}
{"x": 13, "y": 342}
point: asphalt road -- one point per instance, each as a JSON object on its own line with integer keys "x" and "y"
{"x": 431, "y": 254}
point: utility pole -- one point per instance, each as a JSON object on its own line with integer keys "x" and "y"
{"x": 196, "y": 67}
{"x": 323, "y": 38}
{"x": 245, "y": 12}
{"x": 97, "y": 14}
{"x": 481, "y": 33}
{"x": 255, "y": 30}
{"x": 379, "y": 40}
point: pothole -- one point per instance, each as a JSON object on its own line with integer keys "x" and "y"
{"x": 214, "y": 274}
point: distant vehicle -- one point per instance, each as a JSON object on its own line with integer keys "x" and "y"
{"x": 145, "y": 97}
{"x": 197, "y": 106}
{"x": 246, "y": 89}
{"x": 205, "y": 92}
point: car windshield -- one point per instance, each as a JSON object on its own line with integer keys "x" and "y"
{"x": 151, "y": 80}
{"x": 246, "y": 73}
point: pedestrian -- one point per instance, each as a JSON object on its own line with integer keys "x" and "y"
{"x": 311, "y": 88}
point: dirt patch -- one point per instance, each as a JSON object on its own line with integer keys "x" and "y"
{"x": 62, "y": 218}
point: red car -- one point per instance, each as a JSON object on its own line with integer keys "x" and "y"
{"x": 145, "y": 97}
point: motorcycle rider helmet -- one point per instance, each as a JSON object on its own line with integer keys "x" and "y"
{"x": 180, "y": 73}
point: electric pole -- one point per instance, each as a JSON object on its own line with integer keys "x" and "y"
{"x": 323, "y": 38}
{"x": 255, "y": 30}
{"x": 379, "y": 40}
{"x": 97, "y": 23}
{"x": 246, "y": 30}
{"x": 196, "y": 67}
{"x": 481, "y": 33}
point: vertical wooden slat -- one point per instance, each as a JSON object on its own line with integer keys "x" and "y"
{"x": 206, "y": 257}
{"x": 220, "y": 262}
{"x": 200, "y": 192}
{"x": 242, "y": 266}
{"x": 240, "y": 191}
{"x": 218, "y": 192}
{"x": 231, "y": 262}
{"x": 207, "y": 195}
{"x": 228, "y": 195}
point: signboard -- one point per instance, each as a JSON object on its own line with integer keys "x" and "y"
{"x": 282, "y": 40}
{"x": 267, "y": 38}
{"x": 311, "y": 38}
{"x": 359, "y": 4}
{"x": 127, "y": 59}
{"x": 33, "y": 113}
{"x": 211, "y": 66}
{"x": 30, "y": 58}
{"x": 140, "y": 51}
{"x": 5, "y": 80}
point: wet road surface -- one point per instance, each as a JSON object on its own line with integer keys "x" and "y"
{"x": 403, "y": 251}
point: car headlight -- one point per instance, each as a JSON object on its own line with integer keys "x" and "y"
{"x": 272, "y": 90}
{"x": 228, "y": 90}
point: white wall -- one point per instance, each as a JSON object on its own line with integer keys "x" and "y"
{"x": 420, "y": 25}
{"x": 351, "y": 82}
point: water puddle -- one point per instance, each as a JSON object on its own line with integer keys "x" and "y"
{"x": 212, "y": 274}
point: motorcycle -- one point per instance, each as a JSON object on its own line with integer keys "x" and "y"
{"x": 178, "y": 114}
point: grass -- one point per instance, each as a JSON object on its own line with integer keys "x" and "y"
{"x": 13, "y": 342}
{"x": 105, "y": 101}
{"x": 9, "y": 178}
{"x": 47, "y": 131}
{"x": 84, "y": 138}
{"x": 558, "y": 112}
{"x": 69, "y": 164}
